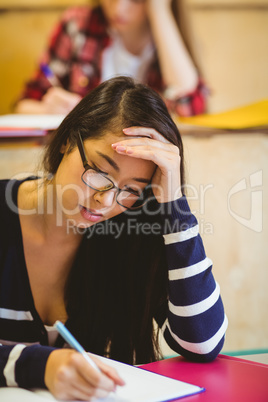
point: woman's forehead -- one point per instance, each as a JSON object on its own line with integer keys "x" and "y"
{"x": 108, "y": 138}
{"x": 96, "y": 147}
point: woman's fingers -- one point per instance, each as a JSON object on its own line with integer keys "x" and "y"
{"x": 74, "y": 386}
{"x": 164, "y": 159}
{"x": 166, "y": 156}
{"x": 69, "y": 376}
{"x": 145, "y": 142}
{"x": 148, "y": 144}
{"x": 58, "y": 100}
{"x": 109, "y": 371}
{"x": 144, "y": 132}
{"x": 97, "y": 379}
{"x": 81, "y": 391}
{"x": 147, "y": 137}
{"x": 140, "y": 146}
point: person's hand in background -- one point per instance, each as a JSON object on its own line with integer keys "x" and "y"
{"x": 56, "y": 101}
{"x": 59, "y": 101}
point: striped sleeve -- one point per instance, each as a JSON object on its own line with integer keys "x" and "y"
{"x": 23, "y": 366}
{"x": 196, "y": 323}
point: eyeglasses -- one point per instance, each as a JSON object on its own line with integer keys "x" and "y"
{"x": 98, "y": 181}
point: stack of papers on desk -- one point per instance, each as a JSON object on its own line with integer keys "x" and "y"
{"x": 27, "y": 125}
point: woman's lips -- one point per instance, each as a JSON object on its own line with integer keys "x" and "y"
{"x": 89, "y": 215}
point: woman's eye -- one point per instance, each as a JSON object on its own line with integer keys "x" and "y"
{"x": 133, "y": 191}
{"x": 98, "y": 169}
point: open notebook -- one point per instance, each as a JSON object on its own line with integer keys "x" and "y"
{"x": 141, "y": 386}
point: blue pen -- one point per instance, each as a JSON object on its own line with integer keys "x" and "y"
{"x": 69, "y": 338}
{"x": 50, "y": 76}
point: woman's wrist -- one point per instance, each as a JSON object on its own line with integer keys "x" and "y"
{"x": 30, "y": 106}
{"x": 154, "y": 7}
{"x": 161, "y": 3}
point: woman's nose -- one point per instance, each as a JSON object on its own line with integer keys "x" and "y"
{"x": 105, "y": 198}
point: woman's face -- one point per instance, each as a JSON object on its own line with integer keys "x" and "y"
{"x": 79, "y": 205}
{"x": 125, "y": 15}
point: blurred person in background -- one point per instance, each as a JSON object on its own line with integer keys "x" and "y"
{"x": 107, "y": 38}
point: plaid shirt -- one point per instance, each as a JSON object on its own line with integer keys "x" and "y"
{"x": 75, "y": 56}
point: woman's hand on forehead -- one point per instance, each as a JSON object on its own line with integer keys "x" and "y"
{"x": 147, "y": 143}
{"x": 144, "y": 132}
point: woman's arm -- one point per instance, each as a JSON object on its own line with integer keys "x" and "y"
{"x": 55, "y": 101}
{"x": 196, "y": 323}
{"x": 178, "y": 70}
{"x": 39, "y": 96}
{"x": 23, "y": 366}
{"x": 65, "y": 372}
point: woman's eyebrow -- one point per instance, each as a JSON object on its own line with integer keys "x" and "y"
{"x": 116, "y": 167}
{"x": 141, "y": 180}
{"x": 109, "y": 160}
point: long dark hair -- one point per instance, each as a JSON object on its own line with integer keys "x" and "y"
{"x": 118, "y": 284}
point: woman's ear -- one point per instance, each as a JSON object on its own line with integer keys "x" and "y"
{"x": 64, "y": 147}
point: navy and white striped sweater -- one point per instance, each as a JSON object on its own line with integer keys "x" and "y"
{"x": 194, "y": 327}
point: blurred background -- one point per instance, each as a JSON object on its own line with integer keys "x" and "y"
{"x": 228, "y": 37}
{"x": 226, "y": 172}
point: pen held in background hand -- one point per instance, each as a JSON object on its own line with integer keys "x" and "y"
{"x": 50, "y": 76}
{"x": 69, "y": 338}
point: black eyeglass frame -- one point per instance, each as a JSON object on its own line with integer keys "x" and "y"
{"x": 86, "y": 165}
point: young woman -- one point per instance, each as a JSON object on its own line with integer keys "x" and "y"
{"x": 106, "y": 243}
{"x": 137, "y": 38}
